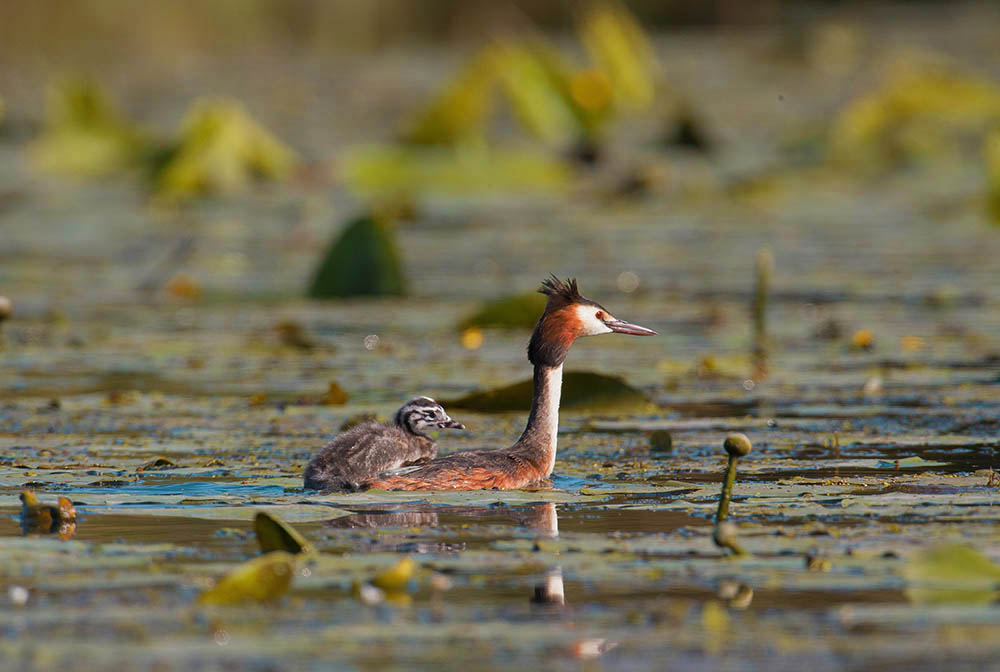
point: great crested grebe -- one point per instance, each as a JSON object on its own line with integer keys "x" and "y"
{"x": 567, "y": 317}
{"x": 373, "y": 448}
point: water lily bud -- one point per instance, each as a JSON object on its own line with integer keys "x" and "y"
{"x": 737, "y": 445}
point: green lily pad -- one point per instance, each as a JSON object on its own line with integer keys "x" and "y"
{"x": 913, "y": 462}
{"x": 520, "y": 311}
{"x": 300, "y": 513}
{"x": 382, "y": 169}
{"x": 582, "y": 390}
{"x": 363, "y": 261}
{"x": 952, "y": 573}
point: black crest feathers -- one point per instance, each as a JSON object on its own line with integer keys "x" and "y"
{"x": 561, "y": 293}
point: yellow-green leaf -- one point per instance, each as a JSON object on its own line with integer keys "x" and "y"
{"x": 274, "y": 534}
{"x": 952, "y": 573}
{"x": 262, "y": 579}
{"x": 221, "y": 149}
{"x": 459, "y": 111}
{"x": 396, "y": 578}
{"x": 84, "y": 135}
{"x": 539, "y": 99}
{"x": 620, "y": 48}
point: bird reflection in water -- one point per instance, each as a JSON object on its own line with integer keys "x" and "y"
{"x": 548, "y": 596}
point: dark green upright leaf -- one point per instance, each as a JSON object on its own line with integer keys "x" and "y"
{"x": 363, "y": 262}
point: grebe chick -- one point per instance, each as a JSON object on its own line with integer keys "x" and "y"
{"x": 567, "y": 317}
{"x": 373, "y": 448}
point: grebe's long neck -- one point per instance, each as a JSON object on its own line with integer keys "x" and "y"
{"x": 538, "y": 442}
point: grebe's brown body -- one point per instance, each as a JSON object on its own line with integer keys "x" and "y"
{"x": 567, "y": 317}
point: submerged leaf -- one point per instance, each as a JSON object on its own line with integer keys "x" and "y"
{"x": 582, "y": 390}
{"x": 262, "y": 579}
{"x": 520, "y": 311}
{"x": 363, "y": 261}
{"x": 274, "y": 534}
{"x": 952, "y": 573}
{"x": 221, "y": 149}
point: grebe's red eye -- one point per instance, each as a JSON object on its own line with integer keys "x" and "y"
{"x": 601, "y": 316}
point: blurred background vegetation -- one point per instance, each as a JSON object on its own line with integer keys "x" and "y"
{"x": 367, "y": 113}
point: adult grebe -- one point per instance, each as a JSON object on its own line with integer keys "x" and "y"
{"x": 567, "y": 317}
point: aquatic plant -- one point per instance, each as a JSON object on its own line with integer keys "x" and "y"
{"x": 919, "y": 112}
{"x": 725, "y": 534}
{"x": 993, "y": 174}
{"x": 362, "y": 261}
{"x": 274, "y": 534}
{"x": 261, "y": 579}
{"x": 220, "y": 149}
{"x": 84, "y": 135}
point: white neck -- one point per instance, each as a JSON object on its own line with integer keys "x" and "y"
{"x": 540, "y": 435}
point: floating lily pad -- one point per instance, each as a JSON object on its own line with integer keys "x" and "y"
{"x": 520, "y": 311}
{"x": 383, "y": 169}
{"x": 363, "y": 261}
{"x": 274, "y": 534}
{"x": 300, "y": 513}
{"x": 157, "y": 463}
{"x": 221, "y": 149}
{"x": 262, "y": 579}
{"x": 581, "y": 390}
{"x": 913, "y": 462}
{"x": 952, "y": 573}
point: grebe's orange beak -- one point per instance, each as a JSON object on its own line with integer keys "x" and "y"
{"x": 622, "y": 327}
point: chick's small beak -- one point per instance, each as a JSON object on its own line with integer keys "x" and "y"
{"x": 452, "y": 424}
{"x": 622, "y": 327}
